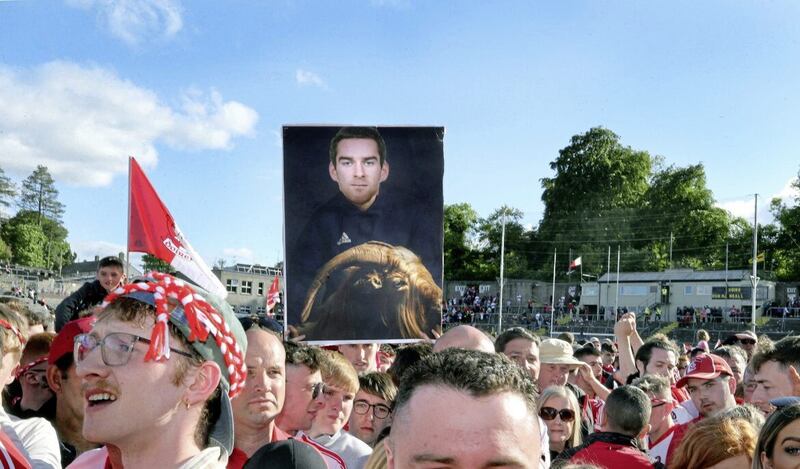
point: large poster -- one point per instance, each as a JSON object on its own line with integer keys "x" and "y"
{"x": 363, "y": 210}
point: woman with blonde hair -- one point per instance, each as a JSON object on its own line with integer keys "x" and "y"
{"x": 716, "y": 443}
{"x": 559, "y": 409}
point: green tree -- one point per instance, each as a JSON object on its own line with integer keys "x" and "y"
{"x": 57, "y": 251}
{"x": 7, "y": 190}
{"x": 150, "y": 262}
{"x": 677, "y": 203}
{"x": 5, "y": 251}
{"x": 591, "y": 203}
{"x": 460, "y": 231}
{"x": 27, "y": 242}
{"x": 39, "y": 194}
{"x": 516, "y": 243}
{"x": 786, "y": 248}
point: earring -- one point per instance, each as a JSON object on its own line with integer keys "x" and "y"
{"x": 186, "y": 403}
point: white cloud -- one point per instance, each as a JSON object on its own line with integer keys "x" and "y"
{"x": 136, "y": 21}
{"x": 304, "y": 77}
{"x": 744, "y": 207}
{"x": 88, "y": 250}
{"x": 789, "y": 194}
{"x": 244, "y": 255}
{"x": 83, "y": 122}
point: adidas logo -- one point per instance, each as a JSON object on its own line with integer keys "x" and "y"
{"x": 344, "y": 239}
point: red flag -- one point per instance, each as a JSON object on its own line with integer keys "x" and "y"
{"x": 273, "y": 296}
{"x": 575, "y": 263}
{"x": 151, "y": 229}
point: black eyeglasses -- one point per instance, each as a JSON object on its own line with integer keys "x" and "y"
{"x": 317, "y": 389}
{"x": 116, "y": 348}
{"x": 550, "y": 413}
{"x": 380, "y": 411}
{"x": 747, "y": 341}
{"x": 263, "y": 322}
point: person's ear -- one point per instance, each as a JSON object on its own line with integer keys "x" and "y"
{"x": 644, "y": 432}
{"x": 384, "y": 171}
{"x": 389, "y": 456}
{"x": 732, "y": 384}
{"x": 765, "y": 462}
{"x": 12, "y": 375}
{"x": 205, "y": 380}
{"x": 640, "y": 367}
{"x": 53, "y": 375}
{"x": 332, "y": 172}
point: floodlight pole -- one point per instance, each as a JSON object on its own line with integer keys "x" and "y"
{"x": 502, "y": 266}
{"x": 553, "y": 296}
{"x": 754, "y": 278}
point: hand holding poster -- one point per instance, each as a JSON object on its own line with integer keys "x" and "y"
{"x": 363, "y": 218}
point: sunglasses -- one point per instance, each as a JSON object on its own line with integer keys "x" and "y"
{"x": 316, "y": 390}
{"x": 747, "y": 341}
{"x": 263, "y": 322}
{"x": 550, "y": 413}
{"x": 658, "y": 402}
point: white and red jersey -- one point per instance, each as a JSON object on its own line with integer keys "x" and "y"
{"x": 659, "y": 449}
{"x": 332, "y": 460}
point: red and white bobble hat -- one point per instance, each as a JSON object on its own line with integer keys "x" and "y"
{"x": 705, "y": 366}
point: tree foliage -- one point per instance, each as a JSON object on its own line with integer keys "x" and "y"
{"x": 604, "y": 196}
{"x": 39, "y": 194}
{"x": 37, "y": 243}
{"x": 783, "y": 241}
{"x": 7, "y": 190}
{"x": 150, "y": 262}
{"x": 27, "y": 241}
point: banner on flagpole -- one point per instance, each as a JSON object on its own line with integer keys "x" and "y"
{"x": 152, "y": 230}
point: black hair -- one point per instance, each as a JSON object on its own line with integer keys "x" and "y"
{"x": 511, "y": 334}
{"x": 627, "y": 410}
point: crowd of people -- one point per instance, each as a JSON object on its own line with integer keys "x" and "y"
{"x": 158, "y": 374}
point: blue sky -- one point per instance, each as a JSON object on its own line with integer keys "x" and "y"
{"x": 198, "y": 91}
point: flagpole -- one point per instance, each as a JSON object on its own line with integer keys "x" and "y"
{"x": 128, "y": 226}
{"x": 608, "y": 277}
{"x": 726, "y": 277}
{"x": 754, "y": 277}
{"x": 553, "y": 296}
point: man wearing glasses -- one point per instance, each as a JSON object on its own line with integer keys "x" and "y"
{"x": 158, "y": 372}
{"x": 303, "y": 388}
{"x": 372, "y": 408}
{"x": 661, "y": 439}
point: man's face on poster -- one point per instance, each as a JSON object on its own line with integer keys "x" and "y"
{"x": 358, "y": 170}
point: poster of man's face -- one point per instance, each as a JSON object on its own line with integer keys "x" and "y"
{"x": 363, "y": 211}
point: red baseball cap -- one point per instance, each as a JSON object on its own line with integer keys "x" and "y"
{"x": 65, "y": 339}
{"x": 705, "y": 366}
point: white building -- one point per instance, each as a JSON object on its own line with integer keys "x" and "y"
{"x": 676, "y": 288}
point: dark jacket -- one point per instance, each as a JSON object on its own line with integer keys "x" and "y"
{"x": 90, "y": 294}
{"x": 608, "y": 450}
